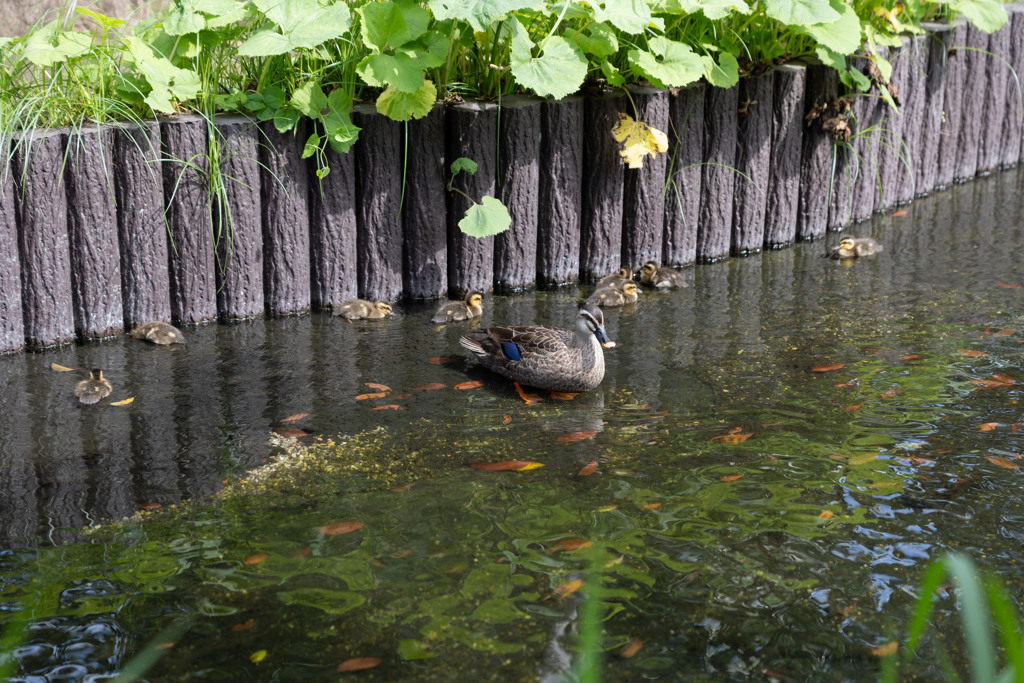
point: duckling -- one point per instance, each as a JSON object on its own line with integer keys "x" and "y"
{"x": 662, "y": 278}
{"x": 460, "y": 310}
{"x": 623, "y": 274}
{"x": 618, "y": 294}
{"x": 852, "y": 247}
{"x": 91, "y": 390}
{"x": 158, "y": 332}
{"x": 361, "y": 309}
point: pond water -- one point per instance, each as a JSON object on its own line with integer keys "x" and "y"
{"x": 751, "y": 514}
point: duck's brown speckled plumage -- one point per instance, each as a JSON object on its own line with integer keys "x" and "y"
{"x": 617, "y": 294}
{"x": 157, "y": 332}
{"x": 653, "y": 275}
{"x": 90, "y": 391}
{"x": 853, "y": 247}
{"x": 361, "y": 309}
{"x": 472, "y": 307}
{"x": 613, "y": 279}
{"x": 549, "y": 357}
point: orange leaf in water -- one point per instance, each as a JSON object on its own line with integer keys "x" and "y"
{"x": 123, "y": 402}
{"x": 430, "y": 386}
{"x": 377, "y": 563}
{"x": 255, "y": 559}
{"x": 1015, "y": 427}
{"x": 889, "y": 648}
{"x": 441, "y": 360}
{"x": 891, "y": 393}
{"x": 1007, "y": 285}
{"x": 244, "y": 626}
{"x": 826, "y": 514}
{"x": 1005, "y": 378}
{"x": 60, "y": 368}
{"x": 398, "y": 396}
{"x": 570, "y": 544}
{"x": 732, "y": 437}
{"x": 1003, "y": 333}
{"x": 473, "y": 384}
{"x": 896, "y": 214}
{"x": 651, "y": 506}
{"x": 507, "y": 420}
{"x": 910, "y": 356}
{"x": 507, "y": 466}
{"x": 989, "y": 384}
{"x": 294, "y": 433}
{"x": 403, "y": 488}
{"x": 390, "y": 406}
{"x": 576, "y": 436}
{"x": 292, "y": 418}
{"x": 376, "y": 394}
{"x": 358, "y": 664}
{"x": 855, "y": 406}
{"x": 165, "y": 646}
{"x": 588, "y": 469}
{"x": 567, "y": 589}
{"x": 972, "y": 353}
{"x": 1002, "y": 462}
{"x": 731, "y": 477}
{"x": 401, "y": 553}
{"x": 150, "y": 506}
{"x": 302, "y": 554}
{"x": 848, "y": 383}
{"x": 988, "y": 426}
{"x": 339, "y": 528}
{"x": 631, "y": 648}
{"x": 827, "y": 368}
{"x": 378, "y": 387}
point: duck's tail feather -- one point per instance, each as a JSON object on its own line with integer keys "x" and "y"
{"x": 472, "y": 344}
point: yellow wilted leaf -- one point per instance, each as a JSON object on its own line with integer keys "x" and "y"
{"x": 638, "y": 140}
{"x": 258, "y": 656}
{"x": 124, "y": 402}
{"x": 59, "y": 368}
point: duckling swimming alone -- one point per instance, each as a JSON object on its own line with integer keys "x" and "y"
{"x": 361, "y": 309}
{"x": 90, "y": 391}
{"x": 852, "y": 247}
{"x": 617, "y": 294}
{"x": 157, "y": 332}
{"x": 623, "y": 274}
{"x": 460, "y": 310}
{"x": 661, "y": 278}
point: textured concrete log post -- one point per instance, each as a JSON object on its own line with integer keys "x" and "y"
{"x": 378, "y": 201}
{"x": 515, "y": 251}
{"x": 1013, "y": 127}
{"x": 601, "y": 228}
{"x": 238, "y": 221}
{"x": 332, "y": 231}
{"x": 12, "y": 324}
{"x": 471, "y": 132}
{"x": 643, "y": 190}
{"x": 683, "y": 183}
{"x": 952, "y": 109}
{"x": 997, "y": 93}
{"x": 145, "y": 280}
{"x": 913, "y": 112}
{"x": 285, "y": 188}
{"x": 822, "y": 85}
{"x": 753, "y": 160}
{"x": 840, "y": 206}
{"x": 718, "y": 179}
{"x": 43, "y": 245}
{"x": 424, "y": 224}
{"x": 787, "y": 142}
{"x": 926, "y": 157}
{"x": 187, "y": 198}
{"x": 92, "y": 233}
{"x": 972, "y": 105}
{"x": 890, "y": 149}
{"x": 561, "y": 181}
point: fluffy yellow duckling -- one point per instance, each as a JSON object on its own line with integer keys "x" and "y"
{"x": 157, "y": 332}
{"x": 91, "y": 390}
{"x": 460, "y": 310}
{"x": 662, "y": 278}
{"x": 361, "y": 309}
{"x": 618, "y": 294}
{"x": 623, "y": 274}
{"x": 852, "y": 247}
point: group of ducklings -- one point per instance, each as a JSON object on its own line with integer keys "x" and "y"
{"x": 97, "y": 387}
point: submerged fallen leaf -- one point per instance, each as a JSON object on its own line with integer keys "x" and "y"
{"x": 631, "y": 648}
{"x": 258, "y": 656}
{"x": 339, "y": 528}
{"x": 441, "y": 360}
{"x": 734, "y": 436}
{"x": 123, "y": 402}
{"x": 150, "y": 506}
{"x": 1002, "y": 462}
{"x": 588, "y": 469}
{"x": 302, "y": 554}
{"x": 255, "y": 559}
{"x": 570, "y": 544}
{"x": 988, "y": 426}
{"x": 910, "y": 356}
{"x": 990, "y": 384}
{"x": 389, "y": 406}
{"x": 293, "y": 433}
{"x": 376, "y": 394}
{"x": 567, "y": 589}
{"x": 244, "y": 626}
{"x": 637, "y": 140}
{"x": 826, "y": 514}
{"x": 358, "y": 664}
{"x": 650, "y": 506}
{"x": 473, "y": 384}
{"x": 890, "y": 393}
{"x": 165, "y": 646}
{"x": 827, "y": 368}
{"x": 60, "y": 368}
{"x": 403, "y": 488}
{"x": 378, "y": 387}
{"x": 901, "y": 212}
{"x": 293, "y": 418}
{"x": 972, "y": 353}
{"x": 1004, "y": 378}
{"x": 507, "y": 420}
{"x": 429, "y": 386}
{"x": 576, "y": 436}
{"x": 507, "y": 466}
{"x": 399, "y": 554}
{"x": 1004, "y": 333}
{"x": 855, "y": 406}
{"x": 731, "y": 477}
{"x": 1007, "y": 285}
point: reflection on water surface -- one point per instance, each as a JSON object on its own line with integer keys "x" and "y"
{"x": 751, "y": 510}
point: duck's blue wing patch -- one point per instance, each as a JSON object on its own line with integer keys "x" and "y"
{"x": 511, "y": 350}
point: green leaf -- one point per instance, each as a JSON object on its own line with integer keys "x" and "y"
{"x": 490, "y": 217}
{"x": 430, "y": 51}
{"x": 184, "y": 17}
{"x": 522, "y": 46}
{"x": 480, "y": 14}
{"x": 600, "y": 41}
{"x": 558, "y": 72}
{"x": 48, "y": 46}
{"x": 988, "y": 15}
{"x": 671, "y": 64}
{"x": 402, "y": 106}
{"x": 841, "y": 35}
{"x": 629, "y": 16}
{"x": 101, "y": 19}
{"x": 165, "y": 79}
{"x": 309, "y": 99}
{"x": 265, "y": 43}
{"x": 338, "y": 126}
{"x": 391, "y": 24}
{"x": 796, "y": 13}
{"x": 311, "y": 147}
{"x": 723, "y": 74}
{"x": 303, "y": 23}
{"x": 463, "y": 164}
{"x": 611, "y": 74}
{"x": 286, "y": 120}
{"x": 273, "y": 97}
{"x": 712, "y": 9}
{"x": 400, "y": 72}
